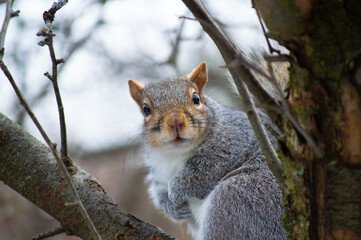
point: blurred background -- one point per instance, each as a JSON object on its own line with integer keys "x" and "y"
{"x": 104, "y": 43}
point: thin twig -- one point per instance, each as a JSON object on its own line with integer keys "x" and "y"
{"x": 188, "y": 18}
{"x": 4, "y": 28}
{"x": 54, "y": 80}
{"x": 51, "y": 233}
{"x": 25, "y": 104}
{"x": 52, "y": 147}
{"x": 242, "y": 77}
{"x": 71, "y": 52}
{"x": 175, "y": 45}
{"x": 264, "y": 142}
{"x": 271, "y": 49}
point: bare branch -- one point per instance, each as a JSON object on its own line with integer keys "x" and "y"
{"x": 229, "y": 51}
{"x": 264, "y": 142}
{"x": 71, "y": 52}
{"x": 63, "y": 135}
{"x": 8, "y": 15}
{"x": 29, "y": 167}
{"x": 188, "y": 18}
{"x": 284, "y": 106}
{"x": 54, "y": 79}
{"x": 271, "y": 49}
{"x": 51, "y": 233}
{"x": 175, "y": 46}
{"x": 52, "y": 147}
{"x": 241, "y": 75}
{"x": 49, "y": 15}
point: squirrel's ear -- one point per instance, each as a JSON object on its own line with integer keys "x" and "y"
{"x": 136, "y": 90}
{"x": 199, "y": 76}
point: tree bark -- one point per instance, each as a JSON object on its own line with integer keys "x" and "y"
{"x": 323, "y": 196}
{"x": 28, "y": 166}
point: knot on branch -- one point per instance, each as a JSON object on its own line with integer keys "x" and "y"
{"x": 48, "y": 34}
{"x": 15, "y": 13}
{"x": 49, "y": 15}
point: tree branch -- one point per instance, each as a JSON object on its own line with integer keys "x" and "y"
{"x": 71, "y": 52}
{"x": 48, "y": 34}
{"x": 8, "y": 15}
{"x": 52, "y": 147}
{"x": 29, "y": 167}
{"x": 264, "y": 142}
{"x": 172, "y": 59}
{"x": 51, "y": 233}
{"x": 284, "y": 106}
{"x": 48, "y": 17}
{"x": 270, "y": 48}
{"x": 242, "y": 77}
{"x": 229, "y": 51}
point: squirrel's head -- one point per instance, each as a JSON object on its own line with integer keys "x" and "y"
{"x": 175, "y": 114}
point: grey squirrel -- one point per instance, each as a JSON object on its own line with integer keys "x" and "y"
{"x": 205, "y": 165}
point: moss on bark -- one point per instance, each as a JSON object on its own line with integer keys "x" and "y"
{"x": 324, "y": 37}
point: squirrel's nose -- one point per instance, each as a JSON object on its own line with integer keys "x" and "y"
{"x": 175, "y": 121}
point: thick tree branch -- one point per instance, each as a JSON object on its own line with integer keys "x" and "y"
{"x": 52, "y": 146}
{"x": 30, "y": 168}
{"x": 242, "y": 77}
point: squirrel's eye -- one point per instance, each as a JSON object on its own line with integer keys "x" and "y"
{"x": 146, "y": 109}
{"x": 195, "y": 98}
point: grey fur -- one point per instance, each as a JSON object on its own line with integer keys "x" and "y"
{"x": 229, "y": 168}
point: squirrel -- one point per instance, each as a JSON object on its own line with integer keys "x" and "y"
{"x": 205, "y": 165}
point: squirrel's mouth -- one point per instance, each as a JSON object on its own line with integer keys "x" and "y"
{"x": 178, "y": 139}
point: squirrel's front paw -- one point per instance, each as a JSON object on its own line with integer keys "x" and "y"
{"x": 175, "y": 194}
{"x": 177, "y": 212}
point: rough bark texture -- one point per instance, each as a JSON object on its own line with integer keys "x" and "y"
{"x": 28, "y": 167}
{"x": 323, "y": 196}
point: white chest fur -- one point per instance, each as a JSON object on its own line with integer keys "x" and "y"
{"x": 165, "y": 163}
